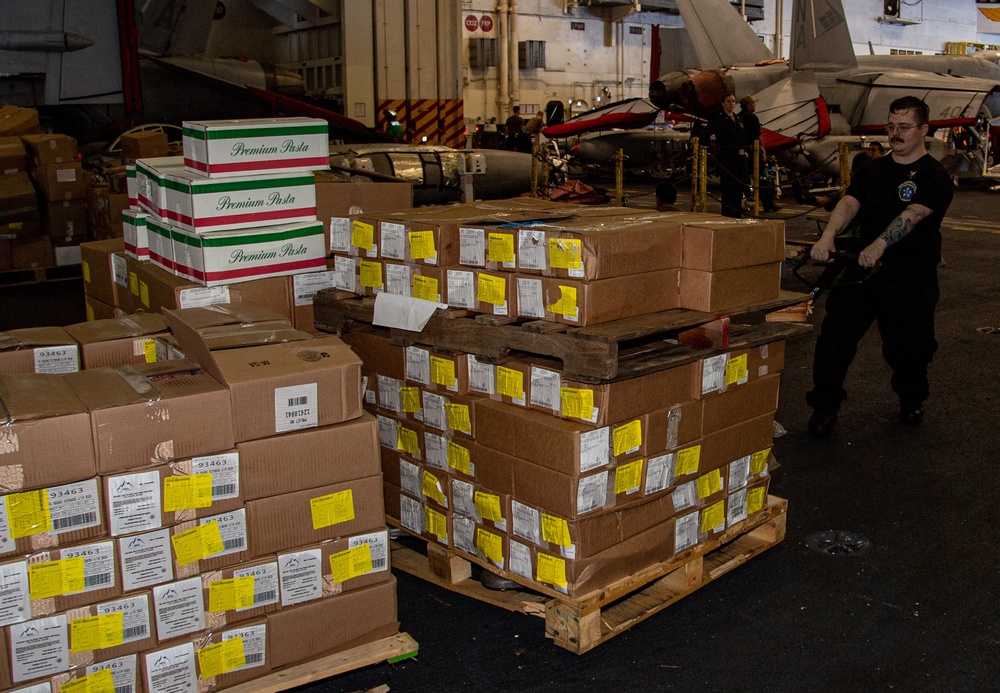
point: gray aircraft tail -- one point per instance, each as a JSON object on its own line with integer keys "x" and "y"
{"x": 721, "y": 37}
{"x": 821, "y": 39}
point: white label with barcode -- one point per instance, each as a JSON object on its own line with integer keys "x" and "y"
{"x": 411, "y": 514}
{"x": 594, "y": 448}
{"x": 306, "y": 286}
{"x": 179, "y": 608}
{"x": 472, "y": 247}
{"x": 527, "y": 522}
{"x": 530, "y": 300}
{"x": 7, "y": 543}
{"x": 713, "y": 373}
{"x": 545, "y": 386}
{"x": 38, "y": 687}
{"x": 340, "y": 234}
{"x": 345, "y": 274}
{"x": 135, "y": 502}
{"x": 65, "y": 175}
{"x": 387, "y": 432}
{"x": 233, "y": 528}
{"x": 225, "y": 471}
{"x": 409, "y": 477}
{"x": 393, "y": 241}
{"x": 301, "y": 576}
{"x": 74, "y": 506}
{"x": 171, "y": 670}
{"x": 684, "y": 496}
{"x": 686, "y": 532}
{"x": 265, "y": 585}
{"x": 119, "y": 269}
{"x": 435, "y": 414}
{"x": 389, "y": 395}
{"x": 482, "y": 376}
{"x": 418, "y": 365}
{"x": 203, "y": 296}
{"x": 98, "y": 564}
{"x": 436, "y": 448}
{"x": 464, "y": 532}
{"x": 461, "y": 289}
{"x": 146, "y": 560}
{"x": 378, "y": 545}
{"x": 135, "y": 616}
{"x": 124, "y": 672}
{"x": 520, "y": 560}
{"x": 532, "y": 250}
{"x": 398, "y": 280}
{"x": 736, "y": 507}
{"x": 592, "y": 493}
{"x": 658, "y": 472}
{"x": 39, "y": 648}
{"x": 254, "y": 644}
{"x": 15, "y": 598}
{"x": 57, "y": 359}
{"x": 739, "y": 472}
{"x": 463, "y": 495}
{"x": 296, "y": 407}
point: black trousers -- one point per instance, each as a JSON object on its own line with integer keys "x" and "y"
{"x": 735, "y": 183}
{"x": 900, "y": 298}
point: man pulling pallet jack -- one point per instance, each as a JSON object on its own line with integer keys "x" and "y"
{"x": 899, "y": 201}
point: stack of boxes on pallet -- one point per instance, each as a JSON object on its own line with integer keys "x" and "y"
{"x": 526, "y": 469}
{"x": 179, "y": 525}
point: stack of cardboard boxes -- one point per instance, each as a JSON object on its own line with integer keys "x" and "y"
{"x": 20, "y": 217}
{"x": 164, "y": 527}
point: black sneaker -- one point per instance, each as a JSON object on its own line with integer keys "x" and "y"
{"x": 911, "y": 414}
{"x": 821, "y": 423}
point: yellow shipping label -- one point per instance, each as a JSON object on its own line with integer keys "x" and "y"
{"x": 149, "y": 350}
{"x": 408, "y": 441}
{"x": 576, "y": 403}
{"x": 488, "y": 506}
{"x": 459, "y": 458}
{"x": 551, "y": 570}
{"x": 86, "y": 271}
{"x": 510, "y": 382}
{"x": 411, "y": 399}
{"x": 687, "y": 461}
{"x": 371, "y": 274}
{"x": 144, "y": 293}
{"x": 709, "y": 483}
{"x": 436, "y": 523}
{"x": 713, "y": 516}
{"x": 28, "y": 513}
{"x": 425, "y": 288}
{"x": 187, "y": 492}
{"x": 565, "y": 253}
{"x": 755, "y": 500}
{"x": 362, "y": 235}
{"x": 489, "y": 545}
{"x": 492, "y": 290}
{"x": 736, "y": 370}
{"x": 628, "y": 477}
{"x": 566, "y": 305}
{"x": 97, "y": 632}
{"x": 501, "y": 248}
{"x": 351, "y": 563}
{"x": 422, "y": 245}
{"x": 332, "y": 509}
{"x": 443, "y": 372}
{"x": 231, "y": 594}
{"x": 430, "y": 485}
{"x": 555, "y": 530}
{"x": 99, "y": 682}
{"x": 627, "y": 438}
{"x": 90, "y": 313}
{"x": 459, "y": 418}
{"x": 55, "y": 578}
{"x": 219, "y": 658}
{"x": 133, "y": 283}
{"x": 758, "y": 461}
{"x": 198, "y": 543}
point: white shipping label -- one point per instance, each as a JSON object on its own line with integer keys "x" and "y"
{"x": 713, "y": 373}
{"x": 146, "y": 560}
{"x": 387, "y": 431}
{"x": 171, "y": 670}
{"x": 254, "y": 644}
{"x": 530, "y": 298}
{"x": 472, "y": 247}
{"x": 527, "y": 522}
{"x": 736, "y": 507}
{"x": 135, "y": 616}
{"x": 592, "y": 493}
{"x": 532, "y": 250}
{"x": 464, "y": 531}
{"x": 225, "y": 471}
{"x": 15, "y": 599}
{"x": 685, "y": 495}
{"x": 74, "y": 506}
{"x": 340, "y": 234}
{"x": 461, "y": 289}
{"x": 301, "y": 576}
{"x": 306, "y": 286}
{"x": 57, "y": 359}
{"x": 345, "y": 274}
{"x": 411, "y": 513}
{"x": 739, "y": 472}
{"x": 119, "y": 270}
{"x": 233, "y": 528}
{"x": 393, "y": 241}
{"x": 482, "y": 376}
{"x": 659, "y": 472}
{"x": 545, "y": 386}
{"x": 418, "y": 365}
{"x": 437, "y": 451}
{"x": 265, "y": 583}
{"x": 135, "y": 503}
{"x": 7, "y": 543}
{"x": 66, "y": 175}
{"x": 124, "y": 672}
{"x": 686, "y": 532}
{"x": 463, "y": 495}
{"x": 296, "y": 407}
{"x": 389, "y": 395}
{"x": 378, "y": 546}
{"x": 179, "y": 608}
{"x": 39, "y": 648}
{"x": 409, "y": 477}
{"x": 98, "y": 564}
{"x": 435, "y": 415}
{"x": 594, "y": 448}
{"x": 520, "y": 560}
{"x": 202, "y": 297}
{"x": 398, "y": 280}
{"x": 38, "y": 687}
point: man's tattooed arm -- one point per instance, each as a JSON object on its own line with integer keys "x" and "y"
{"x": 901, "y": 226}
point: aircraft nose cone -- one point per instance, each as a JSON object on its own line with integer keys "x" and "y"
{"x": 75, "y": 42}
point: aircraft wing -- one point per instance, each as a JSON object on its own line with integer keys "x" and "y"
{"x": 790, "y": 110}
{"x": 721, "y": 37}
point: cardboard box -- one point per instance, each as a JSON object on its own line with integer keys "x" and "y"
{"x": 304, "y": 287}
{"x": 330, "y": 568}
{"x": 725, "y": 409}
{"x": 125, "y": 675}
{"x": 306, "y": 517}
{"x": 338, "y": 197}
{"x": 38, "y": 350}
{"x": 119, "y": 341}
{"x": 721, "y": 244}
{"x": 737, "y": 367}
{"x": 711, "y": 291}
{"x": 45, "y": 434}
{"x": 429, "y": 484}
{"x": 143, "y": 145}
{"x": 673, "y": 427}
{"x": 36, "y": 649}
{"x": 134, "y": 630}
{"x": 150, "y": 181}
{"x": 732, "y": 443}
{"x": 19, "y": 121}
{"x": 139, "y": 419}
{"x": 65, "y": 220}
{"x": 13, "y": 157}
{"x": 74, "y": 515}
{"x": 241, "y": 593}
{"x": 161, "y": 244}
{"x": 348, "y": 620}
{"x": 416, "y": 517}
{"x": 227, "y": 148}
{"x": 436, "y": 371}
{"x": 486, "y": 507}
{"x": 105, "y": 274}
{"x": 473, "y": 539}
{"x": 310, "y": 458}
{"x": 377, "y": 354}
{"x": 135, "y": 233}
{"x": 450, "y": 414}
{"x": 58, "y": 182}
{"x": 50, "y": 149}
{"x": 746, "y": 502}
{"x": 29, "y": 253}
{"x": 583, "y": 303}
{"x": 98, "y": 562}
{"x": 402, "y": 436}
{"x": 19, "y": 205}
{"x": 98, "y": 310}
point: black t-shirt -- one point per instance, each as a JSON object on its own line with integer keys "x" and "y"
{"x": 885, "y": 188}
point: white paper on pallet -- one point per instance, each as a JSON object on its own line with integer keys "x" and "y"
{"x": 340, "y": 234}
{"x": 736, "y": 507}
{"x": 393, "y": 240}
{"x": 403, "y": 312}
{"x": 685, "y": 496}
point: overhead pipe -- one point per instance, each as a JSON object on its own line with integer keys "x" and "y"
{"x": 503, "y": 89}
{"x": 515, "y": 58}
{"x": 779, "y": 27}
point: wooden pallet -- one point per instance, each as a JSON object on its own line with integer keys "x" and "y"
{"x": 581, "y": 624}
{"x": 36, "y": 275}
{"x": 620, "y": 349}
{"x": 392, "y": 649}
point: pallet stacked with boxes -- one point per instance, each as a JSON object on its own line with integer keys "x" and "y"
{"x": 559, "y": 481}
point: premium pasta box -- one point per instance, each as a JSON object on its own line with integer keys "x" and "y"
{"x": 225, "y": 148}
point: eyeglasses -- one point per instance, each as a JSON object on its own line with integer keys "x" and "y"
{"x": 901, "y": 129}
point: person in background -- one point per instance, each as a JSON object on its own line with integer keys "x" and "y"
{"x": 393, "y": 126}
{"x": 666, "y": 197}
{"x": 875, "y": 150}
{"x": 730, "y": 156}
{"x": 535, "y": 125}
{"x": 514, "y": 126}
{"x": 751, "y": 131}
{"x": 899, "y": 201}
